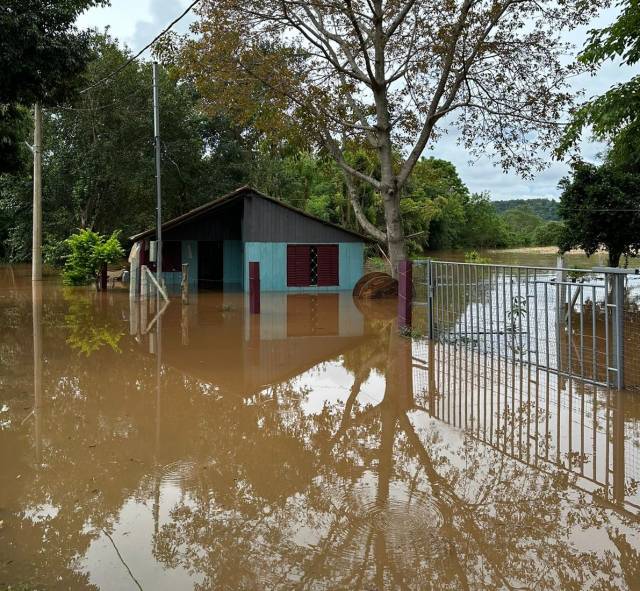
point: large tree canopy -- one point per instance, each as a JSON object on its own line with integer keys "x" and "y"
{"x": 614, "y": 116}
{"x": 390, "y": 74}
{"x": 41, "y": 55}
{"x": 600, "y": 206}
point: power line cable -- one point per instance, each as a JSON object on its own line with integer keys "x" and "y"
{"x": 114, "y": 103}
{"x": 137, "y": 55}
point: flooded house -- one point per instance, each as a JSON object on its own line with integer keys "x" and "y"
{"x": 296, "y": 251}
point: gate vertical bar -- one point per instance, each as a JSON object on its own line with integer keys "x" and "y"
{"x": 618, "y": 327}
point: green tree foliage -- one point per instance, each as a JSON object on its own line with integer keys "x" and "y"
{"x": 99, "y": 170}
{"x": 548, "y": 234}
{"x": 99, "y": 163}
{"x": 483, "y": 227}
{"x": 433, "y": 206}
{"x": 547, "y": 209}
{"x": 600, "y": 206}
{"x": 522, "y": 223}
{"x": 614, "y": 116}
{"x": 89, "y": 253}
{"x": 438, "y": 211}
{"x": 304, "y": 180}
{"x": 393, "y": 76}
{"x": 41, "y": 55}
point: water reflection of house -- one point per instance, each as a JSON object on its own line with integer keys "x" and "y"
{"x": 296, "y": 251}
{"x": 218, "y": 342}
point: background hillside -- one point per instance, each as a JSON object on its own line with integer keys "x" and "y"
{"x": 547, "y": 209}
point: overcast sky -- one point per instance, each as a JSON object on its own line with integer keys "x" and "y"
{"x": 135, "y": 23}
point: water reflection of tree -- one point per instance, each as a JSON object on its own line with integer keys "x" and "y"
{"x": 55, "y": 502}
{"x": 88, "y": 331}
{"x": 472, "y": 516}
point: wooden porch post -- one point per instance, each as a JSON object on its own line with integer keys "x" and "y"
{"x": 405, "y": 293}
{"x": 254, "y": 288}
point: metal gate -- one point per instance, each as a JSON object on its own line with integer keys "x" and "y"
{"x": 570, "y": 321}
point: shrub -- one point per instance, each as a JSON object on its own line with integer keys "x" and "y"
{"x": 89, "y": 253}
{"x": 54, "y": 252}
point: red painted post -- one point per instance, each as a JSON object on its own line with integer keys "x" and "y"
{"x": 254, "y": 288}
{"x": 103, "y": 278}
{"x": 405, "y": 293}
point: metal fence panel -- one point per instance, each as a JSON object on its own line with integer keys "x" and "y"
{"x": 570, "y": 321}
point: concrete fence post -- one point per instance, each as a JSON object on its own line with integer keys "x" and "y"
{"x": 184, "y": 283}
{"x": 254, "y": 288}
{"x": 617, "y": 325}
{"x": 430, "y": 288}
{"x": 405, "y": 293}
{"x": 144, "y": 282}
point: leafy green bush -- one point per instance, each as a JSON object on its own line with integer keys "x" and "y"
{"x": 89, "y": 252}
{"x": 54, "y": 252}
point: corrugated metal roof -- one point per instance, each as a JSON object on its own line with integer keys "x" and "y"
{"x": 239, "y": 193}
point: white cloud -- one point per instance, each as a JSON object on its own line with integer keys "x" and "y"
{"x": 136, "y": 22}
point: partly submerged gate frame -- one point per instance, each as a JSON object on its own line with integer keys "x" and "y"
{"x": 441, "y": 281}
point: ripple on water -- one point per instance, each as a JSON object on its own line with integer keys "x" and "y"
{"x": 408, "y": 527}
{"x": 178, "y": 472}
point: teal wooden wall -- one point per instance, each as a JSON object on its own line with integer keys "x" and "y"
{"x": 272, "y": 257}
{"x": 232, "y": 261}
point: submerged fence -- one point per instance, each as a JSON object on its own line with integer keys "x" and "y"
{"x": 571, "y": 321}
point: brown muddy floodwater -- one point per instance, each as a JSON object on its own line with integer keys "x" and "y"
{"x": 309, "y": 448}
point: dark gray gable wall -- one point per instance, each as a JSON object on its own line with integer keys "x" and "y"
{"x": 267, "y": 221}
{"x": 222, "y": 223}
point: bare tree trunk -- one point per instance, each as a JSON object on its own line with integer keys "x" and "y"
{"x": 395, "y": 232}
{"x": 614, "y": 258}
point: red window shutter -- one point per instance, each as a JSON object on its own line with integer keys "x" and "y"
{"x": 298, "y": 265}
{"x": 328, "y": 271}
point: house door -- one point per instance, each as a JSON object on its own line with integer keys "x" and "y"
{"x": 210, "y": 266}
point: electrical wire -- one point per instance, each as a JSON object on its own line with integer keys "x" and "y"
{"x": 137, "y": 55}
{"x": 98, "y": 107}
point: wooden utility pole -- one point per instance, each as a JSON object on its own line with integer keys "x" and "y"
{"x": 36, "y": 250}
